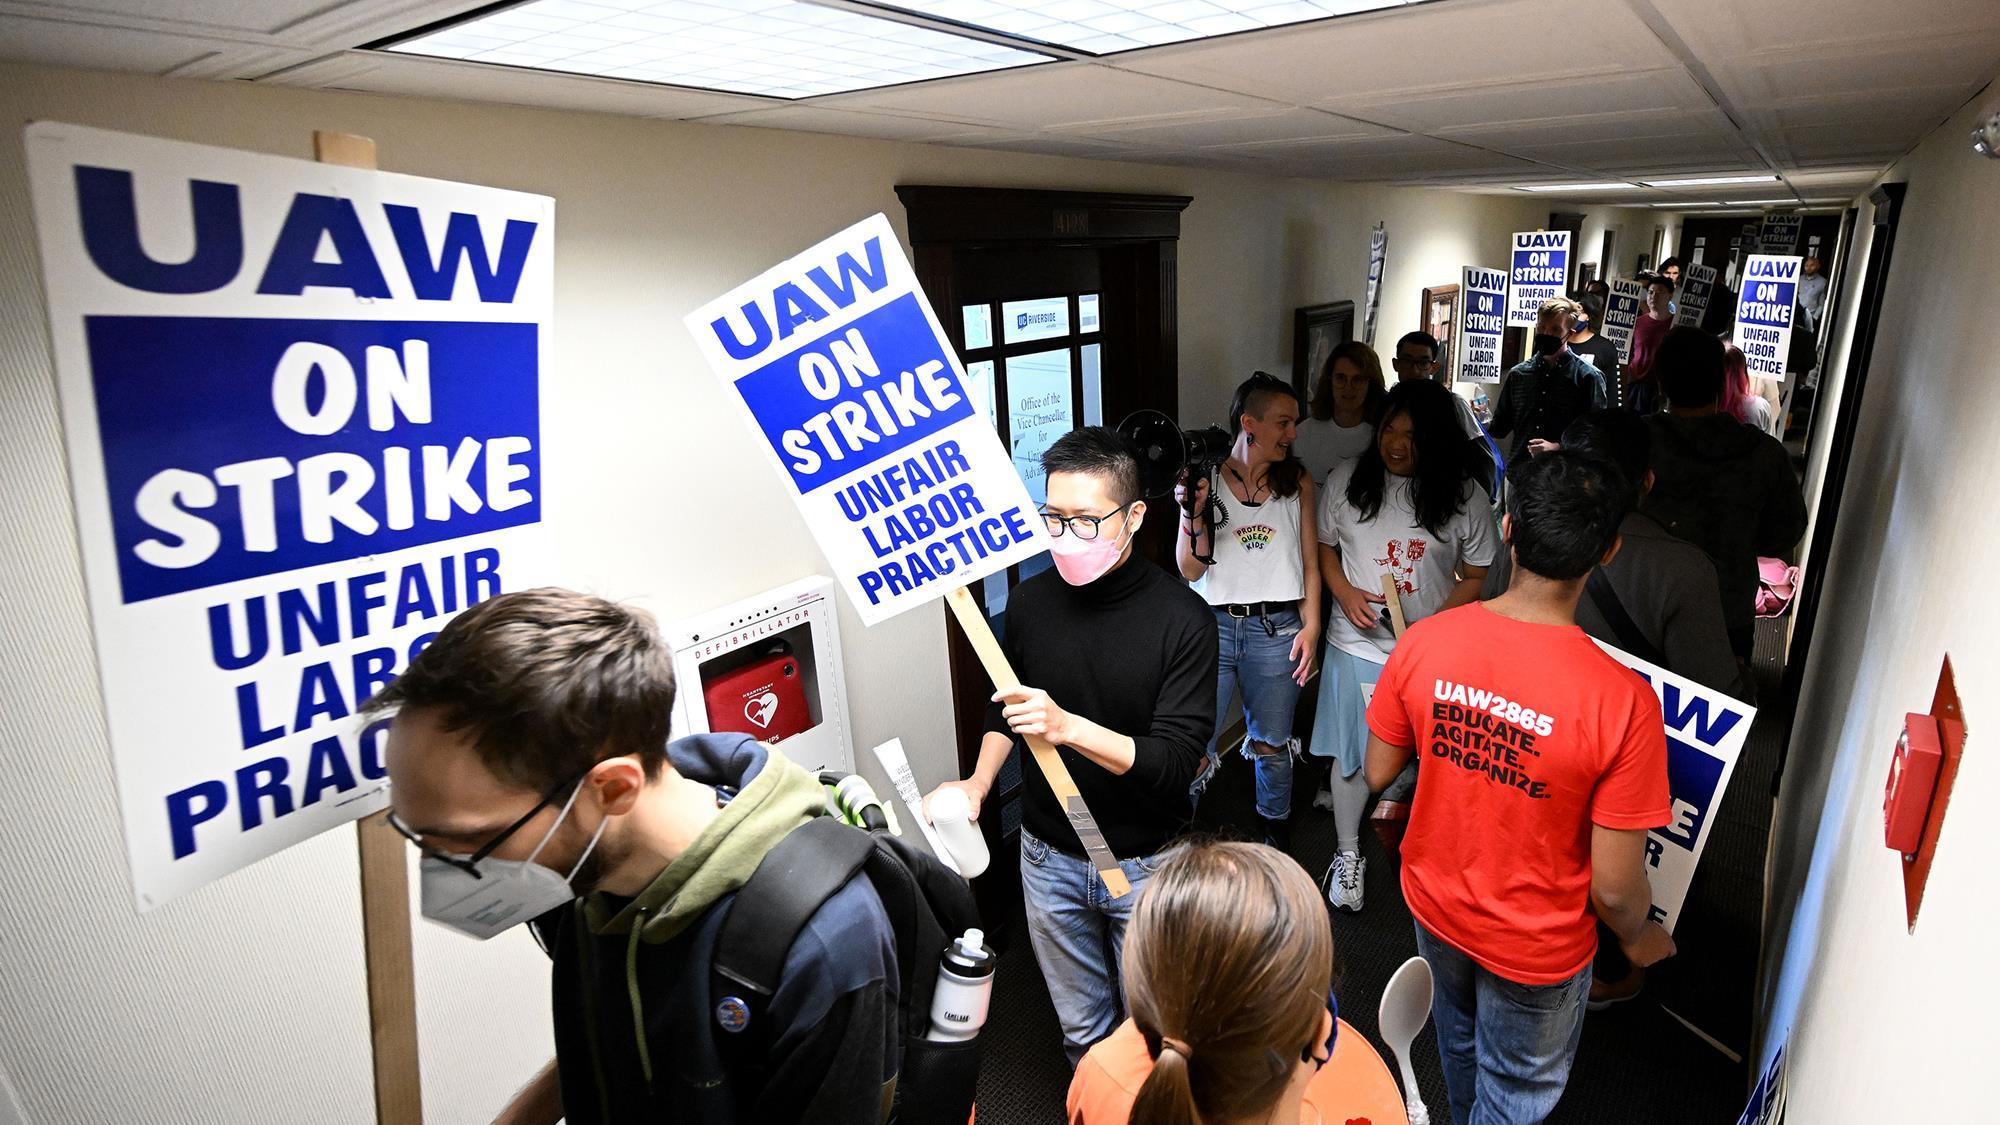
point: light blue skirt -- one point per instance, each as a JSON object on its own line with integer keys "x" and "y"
{"x": 1340, "y": 725}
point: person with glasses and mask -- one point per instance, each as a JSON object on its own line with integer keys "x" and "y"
{"x": 1548, "y": 390}
{"x": 529, "y": 763}
{"x": 1255, "y": 560}
{"x": 1229, "y": 977}
{"x": 1117, "y": 662}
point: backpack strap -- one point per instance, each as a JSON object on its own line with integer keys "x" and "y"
{"x": 1622, "y": 626}
{"x": 810, "y": 865}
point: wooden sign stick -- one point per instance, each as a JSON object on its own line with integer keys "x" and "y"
{"x": 385, "y": 876}
{"x": 1394, "y": 598}
{"x": 980, "y": 632}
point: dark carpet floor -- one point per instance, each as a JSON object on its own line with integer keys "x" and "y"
{"x": 1638, "y": 1063}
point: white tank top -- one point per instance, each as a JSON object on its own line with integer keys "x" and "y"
{"x": 1257, "y": 555}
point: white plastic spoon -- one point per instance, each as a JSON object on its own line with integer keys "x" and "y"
{"x": 1406, "y": 1007}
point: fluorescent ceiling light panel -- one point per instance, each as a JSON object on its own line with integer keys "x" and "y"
{"x": 773, "y": 48}
{"x": 1613, "y": 186}
{"x": 1761, "y": 202}
{"x": 1685, "y": 206}
{"x": 1104, "y": 27}
{"x": 1711, "y": 181}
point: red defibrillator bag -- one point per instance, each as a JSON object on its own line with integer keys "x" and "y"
{"x": 764, "y": 697}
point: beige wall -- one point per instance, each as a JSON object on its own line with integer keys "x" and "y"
{"x": 1884, "y": 1024}
{"x": 244, "y": 1001}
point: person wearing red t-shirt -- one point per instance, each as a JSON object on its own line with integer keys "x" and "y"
{"x": 1642, "y": 387}
{"x": 1545, "y": 762}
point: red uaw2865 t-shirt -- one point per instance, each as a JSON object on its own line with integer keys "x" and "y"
{"x": 1528, "y": 735}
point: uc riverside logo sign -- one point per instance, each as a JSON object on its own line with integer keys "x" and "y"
{"x": 302, "y": 406}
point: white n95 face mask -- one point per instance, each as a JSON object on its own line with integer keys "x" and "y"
{"x": 505, "y": 892}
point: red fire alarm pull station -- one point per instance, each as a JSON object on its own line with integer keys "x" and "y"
{"x": 1920, "y": 782}
{"x": 1913, "y": 775}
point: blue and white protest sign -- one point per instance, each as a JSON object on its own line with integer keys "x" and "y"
{"x": 1621, "y": 314}
{"x": 302, "y": 405}
{"x": 1482, "y": 323}
{"x": 1538, "y": 271}
{"x": 1778, "y": 233}
{"x": 1697, "y": 290}
{"x": 1378, "y": 255}
{"x": 855, "y": 393}
{"x": 1764, "y": 313}
{"x": 1706, "y": 729}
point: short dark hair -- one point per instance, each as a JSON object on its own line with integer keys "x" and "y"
{"x": 1617, "y": 435}
{"x": 1101, "y": 452}
{"x": 1424, "y": 338}
{"x": 1651, "y": 279}
{"x": 1593, "y": 305}
{"x": 1669, "y": 264}
{"x": 1566, "y": 508}
{"x": 1689, "y": 364}
{"x": 1253, "y": 397}
{"x": 548, "y": 682}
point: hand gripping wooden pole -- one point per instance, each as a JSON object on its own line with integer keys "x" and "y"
{"x": 385, "y": 878}
{"x": 1393, "y": 598}
{"x": 980, "y": 632}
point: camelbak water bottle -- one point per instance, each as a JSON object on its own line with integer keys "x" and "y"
{"x": 964, "y": 989}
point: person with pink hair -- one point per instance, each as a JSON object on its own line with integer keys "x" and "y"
{"x": 1738, "y": 398}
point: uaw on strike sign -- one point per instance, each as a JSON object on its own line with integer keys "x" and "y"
{"x": 302, "y": 407}
{"x": 844, "y": 372}
{"x": 1706, "y": 730}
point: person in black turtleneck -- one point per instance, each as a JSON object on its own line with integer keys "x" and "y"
{"x": 1123, "y": 662}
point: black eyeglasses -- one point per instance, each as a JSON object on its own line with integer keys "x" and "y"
{"x": 470, "y": 863}
{"x": 1083, "y": 527}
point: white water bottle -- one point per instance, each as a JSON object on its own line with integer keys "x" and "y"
{"x": 949, "y": 809}
{"x": 964, "y": 989}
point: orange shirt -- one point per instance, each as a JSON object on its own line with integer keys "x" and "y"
{"x": 1528, "y": 735}
{"x": 1353, "y": 1088}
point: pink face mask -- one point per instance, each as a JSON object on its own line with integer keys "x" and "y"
{"x": 1082, "y": 562}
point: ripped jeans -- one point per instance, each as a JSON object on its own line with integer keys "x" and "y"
{"x": 1256, "y": 662}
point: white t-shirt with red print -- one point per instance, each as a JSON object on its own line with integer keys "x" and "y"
{"x": 1424, "y": 565}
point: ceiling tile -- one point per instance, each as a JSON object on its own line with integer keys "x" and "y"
{"x": 383, "y": 73}
{"x": 1053, "y": 96}
{"x": 61, "y": 43}
{"x": 1236, "y": 127}
{"x": 845, "y": 122}
{"x": 1540, "y": 100}
{"x": 265, "y": 16}
{"x": 1416, "y": 48}
{"x": 1718, "y": 29}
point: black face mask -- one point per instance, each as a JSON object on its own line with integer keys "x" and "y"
{"x": 1546, "y": 344}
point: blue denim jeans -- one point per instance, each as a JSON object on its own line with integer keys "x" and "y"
{"x": 1078, "y": 931}
{"x": 1257, "y": 662}
{"x": 1506, "y": 1047}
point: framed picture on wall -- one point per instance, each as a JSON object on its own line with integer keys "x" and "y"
{"x": 1585, "y": 272}
{"x": 1440, "y": 318}
{"x": 1316, "y": 331}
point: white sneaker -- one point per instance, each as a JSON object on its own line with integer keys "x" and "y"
{"x": 1343, "y": 880}
{"x": 1323, "y": 800}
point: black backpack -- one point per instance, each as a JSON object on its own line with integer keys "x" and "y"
{"x": 928, "y": 905}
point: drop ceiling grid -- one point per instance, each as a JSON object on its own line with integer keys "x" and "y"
{"x": 1813, "y": 83}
